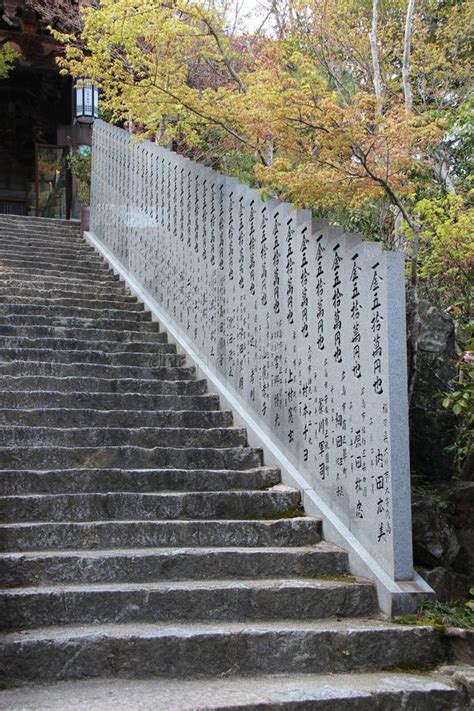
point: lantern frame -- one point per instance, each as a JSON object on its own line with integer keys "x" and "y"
{"x": 86, "y": 101}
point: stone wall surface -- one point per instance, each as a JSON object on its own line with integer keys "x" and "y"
{"x": 433, "y": 427}
{"x": 305, "y": 325}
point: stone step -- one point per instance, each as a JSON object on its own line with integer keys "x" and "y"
{"x": 212, "y": 600}
{"x": 46, "y": 300}
{"x": 44, "y": 400}
{"x": 97, "y": 535}
{"x": 77, "y": 311}
{"x": 36, "y": 281}
{"x": 44, "y": 223}
{"x": 95, "y": 335}
{"x": 95, "y": 363}
{"x": 174, "y": 370}
{"x": 61, "y": 481}
{"x": 64, "y": 349}
{"x": 19, "y": 320}
{"x": 50, "y": 289}
{"x": 12, "y": 236}
{"x": 216, "y": 649}
{"x": 189, "y": 435}
{"x": 21, "y": 245}
{"x": 165, "y": 356}
{"x": 378, "y": 691}
{"x": 30, "y": 274}
{"x": 104, "y": 385}
{"x": 49, "y": 252}
{"x": 18, "y": 421}
{"x": 87, "y": 266}
{"x": 13, "y": 232}
{"x": 51, "y": 255}
{"x": 130, "y": 458}
{"x": 39, "y": 231}
{"x": 154, "y": 564}
{"x": 127, "y": 506}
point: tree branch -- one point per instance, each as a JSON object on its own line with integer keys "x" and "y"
{"x": 406, "y": 56}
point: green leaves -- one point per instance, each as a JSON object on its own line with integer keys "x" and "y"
{"x": 8, "y": 55}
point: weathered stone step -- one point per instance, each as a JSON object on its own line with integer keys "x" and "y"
{"x": 64, "y": 349}
{"x": 21, "y": 244}
{"x": 97, "y": 535}
{"x": 36, "y": 281}
{"x": 173, "y": 370}
{"x": 17, "y": 399}
{"x": 73, "y": 257}
{"x": 98, "y": 419}
{"x": 38, "y": 273}
{"x": 104, "y": 324}
{"x": 112, "y": 436}
{"x": 44, "y": 299}
{"x": 44, "y": 223}
{"x": 153, "y": 564}
{"x": 130, "y": 458}
{"x": 94, "y": 335}
{"x": 23, "y": 240}
{"x": 86, "y": 266}
{"x": 40, "y": 294}
{"x": 210, "y": 600}
{"x": 14, "y": 232}
{"x": 39, "y": 232}
{"x": 219, "y": 649}
{"x": 165, "y": 356}
{"x": 19, "y": 483}
{"x": 104, "y": 385}
{"x": 127, "y": 506}
{"x": 76, "y": 290}
{"x": 379, "y": 691}
{"x": 49, "y": 251}
{"x": 77, "y": 311}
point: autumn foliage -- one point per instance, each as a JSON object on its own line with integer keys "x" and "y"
{"x": 359, "y": 110}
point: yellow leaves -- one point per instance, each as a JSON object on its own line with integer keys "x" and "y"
{"x": 8, "y": 55}
{"x": 447, "y": 245}
{"x": 173, "y": 70}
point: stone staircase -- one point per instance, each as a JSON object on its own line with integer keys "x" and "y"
{"x": 149, "y": 558}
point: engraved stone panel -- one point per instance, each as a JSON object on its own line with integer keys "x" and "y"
{"x": 304, "y": 324}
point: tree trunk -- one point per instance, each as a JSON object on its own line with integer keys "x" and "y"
{"x": 398, "y": 244}
{"x": 268, "y": 153}
{"x": 406, "y": 56}
{"x": 374, "y": 50}
{"x": 415, "y": 325}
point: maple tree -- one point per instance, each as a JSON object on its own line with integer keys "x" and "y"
{"x": 303, "y": 102}
{"x": 357, "y": 109}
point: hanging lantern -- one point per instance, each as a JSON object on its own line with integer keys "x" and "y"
{"x": 87, "y": 101}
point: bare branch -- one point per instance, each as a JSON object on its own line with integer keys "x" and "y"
{"x": 374, "y": 50}
{"x": 406, "y": 56}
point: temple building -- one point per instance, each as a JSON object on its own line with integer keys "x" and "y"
{"x": 37, "y": 124}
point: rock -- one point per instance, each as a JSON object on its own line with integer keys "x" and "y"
{"x": 461, "y": 643}
{"x": 448, "y": 585}
{"x": 432, "y": 427}
{"x": 461, "y": 500}
{"x": 467, "y": 473}
{"x": 434, "y": 537}
{"x": 465, "y": 678}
